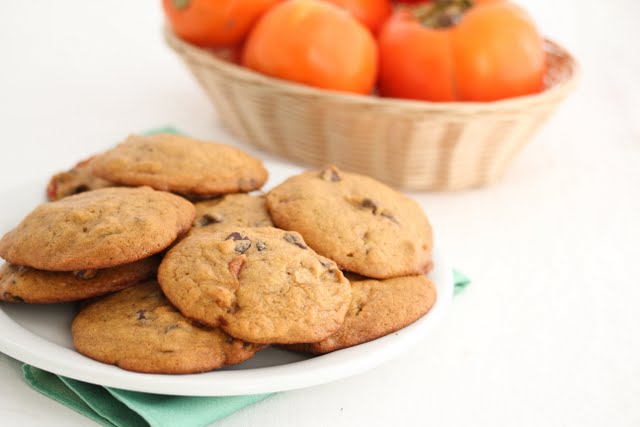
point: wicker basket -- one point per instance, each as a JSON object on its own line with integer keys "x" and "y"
{"x": 408, "y": 144}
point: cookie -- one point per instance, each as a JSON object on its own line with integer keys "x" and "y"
{"x": 180, "y": 164}
{"x": 97, "y": 229}
{"x": 261, "y": 285}
{"x": 77, "y": 180}
{"x": 232, "y": 210}
{"x": 24, "y": 284}
{"x": 378, "y": 308}
{"x": 138, "y": 330}
{"x": 363, "y": 225}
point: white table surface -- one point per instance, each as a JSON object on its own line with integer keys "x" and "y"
{"x": 547, "y": 333}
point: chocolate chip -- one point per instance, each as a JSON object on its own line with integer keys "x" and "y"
{"x": 8, "y": 296}
{"x": 368, "y": 203}
{"x": 390, "y": 217}
{"x": 235, "y": 236}
{"x": 141, "y": 314}
{"x": 243, "y": 242}
{"x": 295, "y": 240}
{"x": 242, "y": 246}
{"x": 207, "y": 219}
{"x": 171, "y": 328}
{"x": 330, "y": 174}
{"x": 260, "y": 246}
{"x": 85, "y": 274}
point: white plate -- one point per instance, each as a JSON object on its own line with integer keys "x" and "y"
{"x": 40, "y": 335}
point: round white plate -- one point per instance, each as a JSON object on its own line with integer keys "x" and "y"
{"x": 40, "y": 336}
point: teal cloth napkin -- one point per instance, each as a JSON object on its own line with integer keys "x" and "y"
{"x": 165, "y": 129}
{"x": 460, "y": 282}
{"x": 113, "y": 407}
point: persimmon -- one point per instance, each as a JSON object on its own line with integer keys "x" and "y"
{"x": 461, "y": 50}
{"x": 371, "y": 13}
{"x": 314, "y": 43}
{"x": 214, "y": 23}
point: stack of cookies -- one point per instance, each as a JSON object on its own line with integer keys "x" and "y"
{"x": 90, "y": 244}
{"x": 368, "y": 229}
{"x": 201, "y": 274}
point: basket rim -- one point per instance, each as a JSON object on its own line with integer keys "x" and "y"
{"x": 557, "y": 91}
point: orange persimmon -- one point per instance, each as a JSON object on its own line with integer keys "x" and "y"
{"x": 314, "y": 43}
{"x": 461, "y": 50}
{"x": 214, "y": 23}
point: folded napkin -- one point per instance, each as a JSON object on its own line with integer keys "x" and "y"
{"x": 121, "y": 408}
{"x": 113, "y": 407}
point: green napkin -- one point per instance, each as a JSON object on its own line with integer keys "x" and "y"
{"x": 166, "y": 129}
{"x": 121, "y": 408}
{"x": 113, "y": 407}
{"x": 460, "y": 282}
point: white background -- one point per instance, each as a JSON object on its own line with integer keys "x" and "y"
{"x": 548, "y": 332}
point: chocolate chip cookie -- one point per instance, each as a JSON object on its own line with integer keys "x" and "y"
{"x": 363, "y": 225}
{"x": 181, "y": 165}
{"x": 261, "y": 285}
{"x": 139, "y": 330}
{"x": 232, "y": 210}
{"x": 97, "y": 229}
{"x": 24, "y": 284}
{"x": 77, "y": 180}
{"x": 378, "y": 308}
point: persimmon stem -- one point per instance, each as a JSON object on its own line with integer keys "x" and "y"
{"x": 181, "y": 4}
{"x": 441, "y": 13}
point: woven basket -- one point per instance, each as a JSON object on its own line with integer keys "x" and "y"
{"x": 411, "y": 145}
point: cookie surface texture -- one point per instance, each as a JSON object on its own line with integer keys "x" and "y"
{"x": 261, "y": 285}
{"x": 180, "y": 164}
{"x": 139, "y": 330}
{"x": 24, "y": 284}
{"x": 97, "y": 229}
{"x": 378, "y": 308}
{"x": 363, "y": 225}
{"x": 232, "y": 210}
